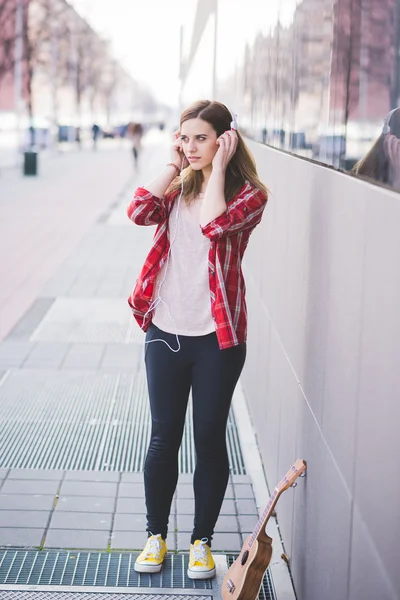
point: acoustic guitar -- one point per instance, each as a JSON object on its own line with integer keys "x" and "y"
{"x": 244, "y": 578}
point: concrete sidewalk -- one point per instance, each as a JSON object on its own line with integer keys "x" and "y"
{"x": 74, "y": 416}
{"x": 43, "y": 218}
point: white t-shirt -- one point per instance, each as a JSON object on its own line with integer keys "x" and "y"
{"x": 185, "y": 290}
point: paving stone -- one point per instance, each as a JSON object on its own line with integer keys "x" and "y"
{"x": 121, "y": 355}
{"x": 241, "y": 478}
{"x": 247, "y": 522}
{"x": 228, "y": 507}
{"x": 244, "y": 491}
{"x": 129, "y": 522}
{"x": 81, "y": 520}
{"x": 134, "y": 522}
{"x": 20, "y": 502}
{"x": 77, "y": 539}
{"x": 185, "y": 490}
{"x": 185, "y": 478}
{"x": 131, "y": 505}
{"x": 47, "y": 355}
{"x": 132, "y": 477}
{"x": 3, "y": 473}
{"x": 130, "y": 540}
{"x": 185, "y": 506}
{"x": 20, "y": 518}
{"x": 184, "y": 523}
{"x": 85, "y": 504}
{"x": 246, "y": 507}
{"x": 225, "y": 523}
{"x": 84, "y": 356}
{"x": 13, "y": 353}
{"x": 28, "y": 323}
{"x": 29, "y": 487}
{"x": 36, "y": 474}
{"x": 110, "y": 289}
{"x": 230, "y": 542}
{"x": 101, "y": 476}
{"x": 20, "y": 537}
{"x": 85, "y": 488}
{"x": 131, "y": 490}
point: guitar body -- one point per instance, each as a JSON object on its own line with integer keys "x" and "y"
{"x": 243, "y": 581}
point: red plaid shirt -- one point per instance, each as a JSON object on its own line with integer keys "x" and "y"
{"x": 228, "y": 234}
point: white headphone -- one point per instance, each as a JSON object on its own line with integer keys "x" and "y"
{"x": 234, "y": 123}
{"x": 386, "y": 122}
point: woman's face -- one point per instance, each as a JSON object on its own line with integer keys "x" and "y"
{"x": 199, "y": 143}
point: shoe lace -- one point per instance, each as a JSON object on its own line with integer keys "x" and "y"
{"x": 153, "y": 547}
{"x": 200, "y": 552}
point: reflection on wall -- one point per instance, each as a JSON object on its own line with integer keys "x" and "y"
{"x": 363, "y": 74}
{"x": 315, "y": 77}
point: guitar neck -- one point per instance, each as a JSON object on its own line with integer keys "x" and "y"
{"x": 263, "y": 520}
{"x": 296, "y": 470}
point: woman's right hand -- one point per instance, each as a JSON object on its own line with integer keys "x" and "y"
{"x": 177, "y": 155}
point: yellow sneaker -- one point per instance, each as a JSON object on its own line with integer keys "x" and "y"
{"x": 201, "y": 562}
{"x": 152, "y": 557}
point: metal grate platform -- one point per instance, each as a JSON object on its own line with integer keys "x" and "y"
{"x": 37, "y": 595}
{"x": 94, "y": 569}
{"x": 86, "y": 421}
{"x": 267, "y": 590}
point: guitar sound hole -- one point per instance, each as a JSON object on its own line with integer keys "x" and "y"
{"x": 245, "y": 557}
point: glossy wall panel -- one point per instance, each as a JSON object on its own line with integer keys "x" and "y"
{"x": 337, "y": 408}
{"x": 311, "y": 77}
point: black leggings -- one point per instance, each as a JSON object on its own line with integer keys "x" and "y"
{"x": 212, "y": 375}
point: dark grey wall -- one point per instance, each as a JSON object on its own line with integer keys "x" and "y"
{"x": 322, "y": 374}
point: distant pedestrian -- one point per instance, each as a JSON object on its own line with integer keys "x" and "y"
{"x": 135, "y": 133}
{"x": 95, "y": 135}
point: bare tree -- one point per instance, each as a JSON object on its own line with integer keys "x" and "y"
{"x": 81, "y": 62}
{"x": 38, "y": 17}
{"x": 364, "y": 39}
{"x": 7, "y": 37}
{"x": 109, "y": 84}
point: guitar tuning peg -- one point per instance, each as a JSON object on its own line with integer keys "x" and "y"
{"x": 303, "y": 474}
{"x": 294, "y": 484}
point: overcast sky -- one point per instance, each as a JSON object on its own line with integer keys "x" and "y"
{"x": 145, "y": 38}
{"x": 145, "y": 34}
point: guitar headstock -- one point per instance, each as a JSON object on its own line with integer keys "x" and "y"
{"x": 295, "y": 471}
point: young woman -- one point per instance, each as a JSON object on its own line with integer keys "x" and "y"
{"x": 190, "y": 300}
{"x": 382, "y": 162}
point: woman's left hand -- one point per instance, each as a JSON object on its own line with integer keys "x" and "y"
{"x": 227, "y": 143}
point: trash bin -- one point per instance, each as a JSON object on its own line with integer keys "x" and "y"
{"x": 30, "y": 163}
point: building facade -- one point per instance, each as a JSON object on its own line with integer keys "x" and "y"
{"x": 313, "y": 79}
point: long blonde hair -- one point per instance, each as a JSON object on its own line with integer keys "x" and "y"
{"x": 375, "y": 164}
{"x": 241, "y": 167}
